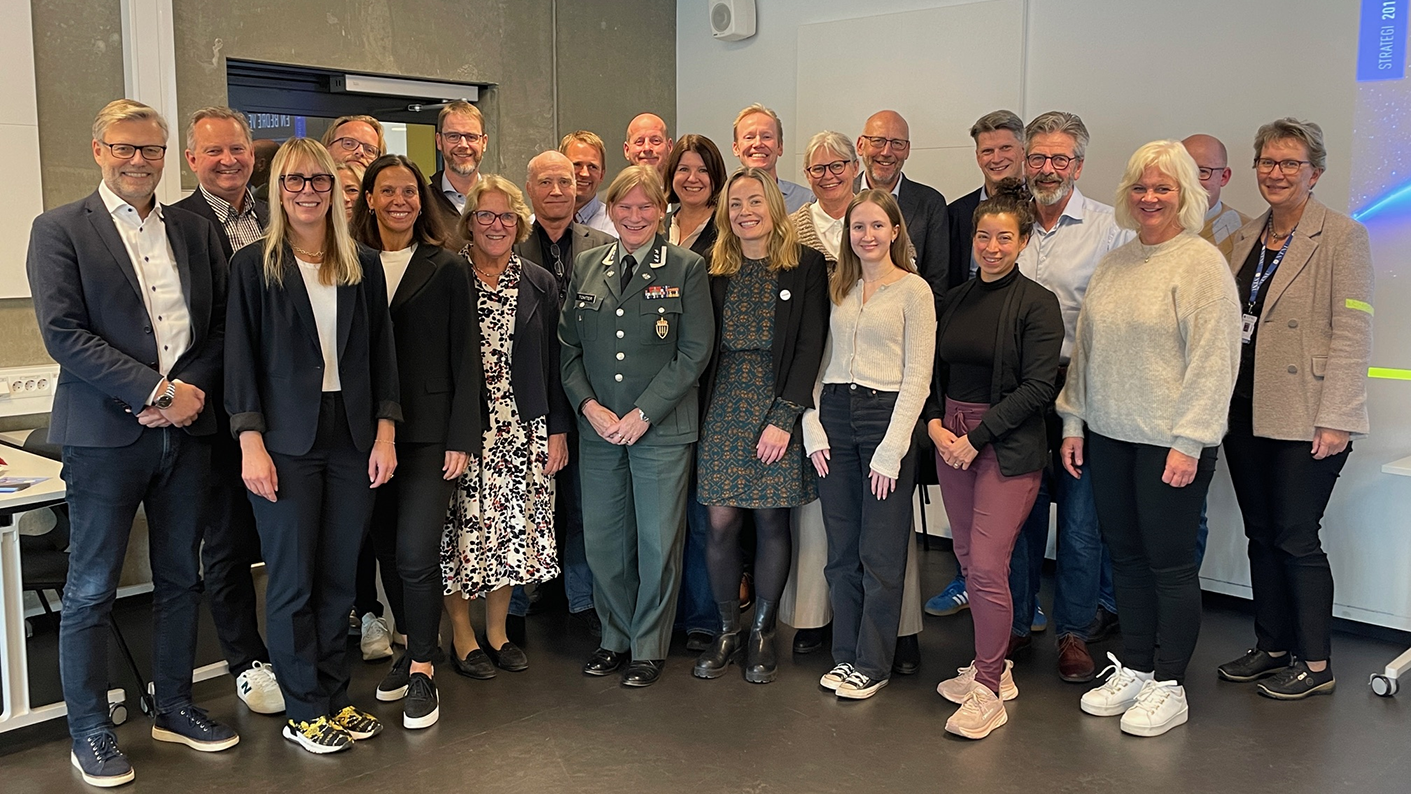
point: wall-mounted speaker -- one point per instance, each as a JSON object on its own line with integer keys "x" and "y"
{"x": 731, "y": 20}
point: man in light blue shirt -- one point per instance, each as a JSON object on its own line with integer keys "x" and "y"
{"x": 759, "y": 140}
{"x": 589, "y": 157}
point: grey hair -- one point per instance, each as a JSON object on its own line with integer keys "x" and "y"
{"x": 1290, "y": 128}
{"x": 835, "y": 142}
{"x": 1059, "y": 121}
{"x": 215, "y": 112}
{"x": 999, "y": 120}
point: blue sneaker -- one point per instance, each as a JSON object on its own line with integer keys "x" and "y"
{"x": 1040, "y": 622}
{"x": 99, "y": 760}
{"x": 190, "y": 726}
{"x": 949, "y": 601}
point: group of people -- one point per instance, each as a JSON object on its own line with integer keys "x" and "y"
{"x": 752, "y": 375}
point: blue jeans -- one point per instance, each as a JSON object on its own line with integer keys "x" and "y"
{"x": 568, "y": 517}
{"x": 166, "y": 471}
{"x": 695, "y": 609}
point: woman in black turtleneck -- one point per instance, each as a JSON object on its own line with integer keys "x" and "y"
{"x": 997, "y": 345}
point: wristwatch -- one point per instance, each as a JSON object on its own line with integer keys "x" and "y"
{"x": 643, "y": 416}
{"x": 164, "y": 400}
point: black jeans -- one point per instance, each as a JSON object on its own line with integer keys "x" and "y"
{"x": 408, "y": 519}
{"x": 1150, "y": 529}
{"x": 1282, "y": 493}
{"x": 867, "y": 537}
{"x": 231, "y": 546}
{"x": 311, "y": 538}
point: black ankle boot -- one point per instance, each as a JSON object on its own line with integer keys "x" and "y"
{"x": 761, "y": 659}
{"x": 725, "y": 648}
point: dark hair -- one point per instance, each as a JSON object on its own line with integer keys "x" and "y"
{"x": 715, "y": 165}
{"x": 1011, "y": 197}
{"x": 426, "y": 230}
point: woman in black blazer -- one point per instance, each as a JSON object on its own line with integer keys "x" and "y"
{"x": 311, "y": 389}
{"x": 997, "y": 345}
{"x": 770, "y": 297}
{"x": 438, "y": 361}
{"x": 695, "y": 173}
{"x": 500, "y": 530}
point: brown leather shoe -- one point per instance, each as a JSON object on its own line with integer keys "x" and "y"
{"x": 1075, "y": 665}
{"x": 1018, "y": 644}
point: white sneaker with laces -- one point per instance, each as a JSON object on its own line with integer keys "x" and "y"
{"x": 1118, "y": 693}
{"x": 859, "y": 686}
{"x": 1160, "y": 706}
{"x": 259, "y": 690}
{"x": 377, "y": 639}
{"x": 836, "y": 676}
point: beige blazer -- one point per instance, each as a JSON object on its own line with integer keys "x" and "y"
{"x": 1315, "y": 334}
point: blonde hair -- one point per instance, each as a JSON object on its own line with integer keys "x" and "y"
{"x": 216, "y": 112}
{"x": 849, "y": 268}
{"x": 834, "y": 142}
{"x": 1171, "y": 159}
{"x": 340, "y": 258}
{"x": 460, "y": 107}
{"x": 752, "y": 110}
{"x": 331, "y": 134}
{"x": 588, "y": 138}
{"x": 494, "y": 183}
{"x": 127, "y": 110}
{"x": 634, "y": 176}
{"x": 727, "y": 255}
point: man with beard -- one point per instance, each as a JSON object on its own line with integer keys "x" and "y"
{"x": 461, "y": 140}
{"x": 1073, "y": 232}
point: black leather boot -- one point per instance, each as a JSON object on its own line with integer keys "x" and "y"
{"x": 725, "y": 648}
{"x": 761, "y": 658}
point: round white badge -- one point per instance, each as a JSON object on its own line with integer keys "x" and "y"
{"x": 784, "y": 295}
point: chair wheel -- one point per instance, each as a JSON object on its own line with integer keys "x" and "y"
{"x": 117, "y": 712}
{"x": 1383, "y": 686}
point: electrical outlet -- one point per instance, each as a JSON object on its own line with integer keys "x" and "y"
{"x": 27, "y": 390}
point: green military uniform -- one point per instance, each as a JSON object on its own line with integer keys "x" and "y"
{"x": 640, "y": 348}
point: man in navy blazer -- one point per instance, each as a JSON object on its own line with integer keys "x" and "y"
{"x": 130, "y": 298}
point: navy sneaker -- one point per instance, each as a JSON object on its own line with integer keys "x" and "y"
{"x": 190, "y": 726}
{"x": 99, "y": 760}
{"x": 950, "y": 601}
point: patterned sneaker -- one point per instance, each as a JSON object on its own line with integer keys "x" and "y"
{"x": 376, "y": 643}
{"x": 979, "y": 714}
{"x": 836, "y": 676}
{"x": 192, "y": 727}
{"x": 1116, "y": 695}
{"x": 394, "y": 684}
{"x": 1040, "y": 622}
{"x": 950, "y": 601}
{"x": 422, "y": 706}
{"x": 1160, "y": 706}
{"x": 858, "y": 686}
{"x": 318, "y": 737}
{"x": 957, "y": 689}
{"x": 358, "y": 723}
{"x": 258, "y": 689}
{"x": 99, "y": 760}
{"x": 1297, "y": 682}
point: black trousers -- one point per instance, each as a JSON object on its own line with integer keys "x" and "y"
{"x": 1282, "y": 493}
{"x": 1150, "y": 529}
{"x": 408, "y": 519}
{"x": 311, "y": 537}
{"x": 231, "y": 546}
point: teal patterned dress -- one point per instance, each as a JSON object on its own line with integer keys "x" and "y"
{"x": 730, "y": 474}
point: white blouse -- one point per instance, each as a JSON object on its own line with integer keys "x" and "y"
{"x": 324, "y": 300}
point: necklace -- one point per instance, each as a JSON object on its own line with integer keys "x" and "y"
{"x": 485, "y": 274}
{"x": 1273, "y": 235}
{"x": 309, "y": 254}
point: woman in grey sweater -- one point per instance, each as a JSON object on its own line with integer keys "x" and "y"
{"x": 1154, "y": 363}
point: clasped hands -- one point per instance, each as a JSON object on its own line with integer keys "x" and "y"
{"x": 956, "y": 451}
{"x": 186, "y": 404}
{"x": 623, "y": 431}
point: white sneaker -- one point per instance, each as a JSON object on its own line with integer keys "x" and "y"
{"x": 259, "y": 690}
{"x": 376, "y": 643}
{"x": 956, "y": 689}
{"x": 1160, "y": 706}
{"x": 1118, "y": 693}
{"x": 836, "y": 676}
{"x": 859, "y": 686}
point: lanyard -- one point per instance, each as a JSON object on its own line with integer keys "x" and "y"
{"x": 1261, "y": 275}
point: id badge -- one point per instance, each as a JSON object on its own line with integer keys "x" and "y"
{"x": 1247, "y": 327}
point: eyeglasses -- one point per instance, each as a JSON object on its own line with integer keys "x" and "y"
{"x": 349, "y": 144}
{"x": 1264, "y": 165}
{"x": 880, "y": 142}
{"x": 294, "y": 183}
{"x": 1060, "y": 161}
{"x": 1138, "y": 191}
{"x": 836, "y": 167}
{"x": 125, "y": 151}
{"x": 1207, "y": 173}
{"x": 455, "y": 138}
{"x": 487, "y": 218}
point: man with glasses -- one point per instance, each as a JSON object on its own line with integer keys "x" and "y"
{"x": 758, "y": 141}
{"x": 357, "y": 139}
{"x": 1221, "y": 220}
{"x": 130, "y": 298}
{"x": 461, "y": 140}
{"x": 1073, "y": 232}
{"x": 648, "y": 143}
{"x": 585, "y": 150}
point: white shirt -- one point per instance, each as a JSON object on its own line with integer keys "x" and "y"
{"x": 1064, "y": 257}
{"x": 394, "y": 266}
{"x": 896, "y": 189}
{"x": 828, "y": 228}
{"x": 324, "y": 300}
{"x": 684, "y": 237}
{"x": 155, "y": 265}
{"x": 457, "y": 198}
{"x": 594, "y": 215}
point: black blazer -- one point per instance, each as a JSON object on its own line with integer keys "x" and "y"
{"x": 274, "y": 365}
{"x": 961, "y": 214}
{"x": 704, "y": 243}
{"x": 1027, "y": 344}
{"x": 584, "y": 238}
{"x": 535, "y": 378}
{"x": 438, "y": 353}
{"x": 924, "y": 209}
{"x": 94, "y": 322}
{"x": 197, "y": 204}
{"x": 800, "y": 329}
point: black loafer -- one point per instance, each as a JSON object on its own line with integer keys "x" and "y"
{"x": 810, "y": 640}
{"x": 515, "y": 629}
{"x": 907, "y": 660}
{"x": 588, "y": 619}
{"x": 475, "y": 665}
{"x": 509, "y": 657}
{"x": 604, "y": 662}
{"x": 1104, "y": 626}
{"x": 643, "y": 672}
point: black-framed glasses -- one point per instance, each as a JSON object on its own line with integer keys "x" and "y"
{"x": 1264, "y": 165}
{"x": 487, "y": 218}
{"x": 836, "y": 167}
{"x": 125, "y": 151}
{"x": 1060, "y": 161}
{"x": 455, "y": 138}
{"x": 294, "y": 183}
{"x": 1207, "y": 173}
{"x": 880, "y": 142}
{"x": 349, "y": 144}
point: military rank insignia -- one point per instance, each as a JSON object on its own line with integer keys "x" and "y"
{"x": 663, "y": 327}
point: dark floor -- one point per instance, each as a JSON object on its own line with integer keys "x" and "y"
{"x": 553, "y": 730}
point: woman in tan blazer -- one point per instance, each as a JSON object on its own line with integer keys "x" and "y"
{"x": 1305, "y": 281}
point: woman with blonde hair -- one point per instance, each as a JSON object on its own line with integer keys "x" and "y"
{"x": 311, "y": 389}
